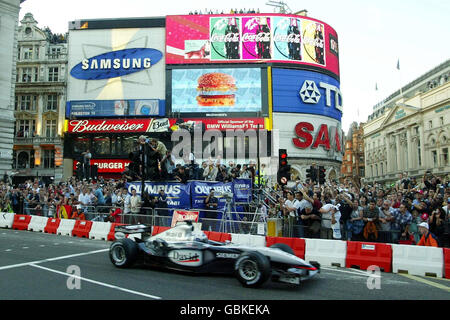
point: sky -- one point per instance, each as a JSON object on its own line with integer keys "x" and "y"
{"x": 373, "y": 36}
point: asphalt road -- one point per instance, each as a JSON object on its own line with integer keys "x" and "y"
{"x": 37, "y": 266}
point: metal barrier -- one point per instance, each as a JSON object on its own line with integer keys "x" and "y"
{"x": 229, "y": 222}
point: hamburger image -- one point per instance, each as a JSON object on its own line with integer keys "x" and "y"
{"x": 216, "y": 90}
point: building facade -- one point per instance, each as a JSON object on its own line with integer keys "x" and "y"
{"x": 409, "y": 131}
{"x": 40, "y": 98}
{"x": 281, "y": 80}
{"x": 353, "y": 164}
{"x": 9, "y": 15}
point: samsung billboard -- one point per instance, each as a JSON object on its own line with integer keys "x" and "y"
{"x": 301, "y": 91}
{"x": 110, "y": 65}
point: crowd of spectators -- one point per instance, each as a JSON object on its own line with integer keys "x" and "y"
{"x": 397, "y": 213}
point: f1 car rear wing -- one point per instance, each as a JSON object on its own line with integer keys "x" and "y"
{"x": 132, "y": 229}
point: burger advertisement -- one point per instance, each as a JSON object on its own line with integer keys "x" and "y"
{"x": 224, "y": 92}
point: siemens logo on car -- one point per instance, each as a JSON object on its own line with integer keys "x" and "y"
{"x": 116, "y": 64}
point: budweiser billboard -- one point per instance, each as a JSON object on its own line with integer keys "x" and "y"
{"x": 119, "y": 125}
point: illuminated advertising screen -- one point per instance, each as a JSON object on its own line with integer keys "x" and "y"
{"x": 252, "y": 38}
{"x": 110, "y": 65}
{"x": 307, "y": 92}
{"x": 234, "y": 92}
{"x": 115, "y": 108}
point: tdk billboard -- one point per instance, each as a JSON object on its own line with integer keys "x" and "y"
{"x": 300, "y": 91}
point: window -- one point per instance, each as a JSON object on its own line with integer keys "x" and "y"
{"x": 116, "y": 145}
{"x": 50, "y": 128}
{"x": 27, "y": 102}
{"x": 26, "y": 74}
{"x": 444, "y": 157}
{"x": 36, "y": 53}
{"x": 54, "y": 53}
{"x": 80, "y": 144}
{"x": 23, "y": 160}
{"x": 128, "y": 144}
{"x": 101, "y": 145}
{"x": 27, "y": 53}
{"x": 416, "y": 130}
{"x": 419, "y": 157}
{"x": 26, "y": 128}
{"x": 49, "y": 158}
{"x": 434, "y": 157}
{"x": 52, "y": 102}
{"x": 53, "y": 74}
{"x": 441, "y": 121}
{"x": 430, "y": 124}
{"x": 349, "y": 157}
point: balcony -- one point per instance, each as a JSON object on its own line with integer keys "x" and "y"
{"x": 37, "y": 140}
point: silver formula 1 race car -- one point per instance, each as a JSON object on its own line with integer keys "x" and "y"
{"x": 182, "y": 248}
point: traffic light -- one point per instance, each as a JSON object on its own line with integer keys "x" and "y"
{"x": 311, "y": 173}
{"x": 282, "y": 158}
{"x": 321, "y": 175}
{"x": 284, "y": 169}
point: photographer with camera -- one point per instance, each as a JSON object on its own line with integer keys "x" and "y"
{"x": 211, "y": 204}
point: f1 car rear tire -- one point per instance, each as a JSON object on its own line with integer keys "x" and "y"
{"x": 123, "y": 253}
{"x": 283, "y": 247}
{"x": 252, "y": 269}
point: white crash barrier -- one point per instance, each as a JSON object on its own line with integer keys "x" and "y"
{"x": 37, "y": 223}
{"x": 100, "y": 230}
{"x": 248, "y": 240}
{"x": 65, "y": 227}
{"x": 326, "y": 252}
{"x": 418, "y": 260}
{"x": 6, "y": 219}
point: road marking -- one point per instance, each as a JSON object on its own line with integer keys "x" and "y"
{"x": 431, "y": 283}
{"x": 97, "y": 282}
{"x": 51, "y": 259}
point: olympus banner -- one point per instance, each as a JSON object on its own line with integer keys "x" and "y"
{"x": 194, "y": 193}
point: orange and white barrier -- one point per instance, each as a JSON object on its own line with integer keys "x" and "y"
{"x": 6, "y": 219}
{"x": 21, "y": 222}
{"x": 100, "y": 230}
{"x": 418, "y": 260}
{"x": 366, "y": 254}
{"x": 326, "y": 252}
{"x": 82, "y": 228}
{"x": 297, "y": 244}
{"x": 37, "y": 223}
{"x": 65, "y": 227}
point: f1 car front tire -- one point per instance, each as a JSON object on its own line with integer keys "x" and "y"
{"x": 252, "y": 269}
{"x": 123, "y": 253}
